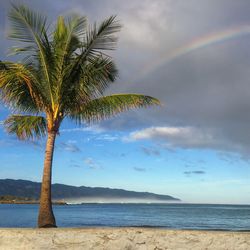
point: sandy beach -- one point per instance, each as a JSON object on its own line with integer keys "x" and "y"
{"x": 121, "y": 238}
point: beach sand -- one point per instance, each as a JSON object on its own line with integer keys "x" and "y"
{"x": 121, "y": 238}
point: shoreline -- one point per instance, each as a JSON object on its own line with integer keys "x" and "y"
{"x": 31, "y": 202}
{"x": 135, "y": 227}
{"x": 121, "y": 238}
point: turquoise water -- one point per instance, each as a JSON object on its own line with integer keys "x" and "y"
{"x": 174, "y": 216}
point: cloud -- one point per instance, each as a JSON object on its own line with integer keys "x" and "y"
{"x": 201, "y": 162}
{"x": 206, "y": 90}
{"x": 75, "y": 166}
{"x": 139, "y": 169}
{"x": 97, "y": 133}
{"x": 231, "y": 158}
{"x": 93, "y": 129}
{"x": 151, "y": 151}
{"x": 70, "y": 146}
{"x": 91, "y": 163}
{"x": 143, "y": 23}
{"x": 187, "y": 138}
{"x": 184, "y": 137}
{"x": 188, "y": 166}
{"x": 6, "y": 142}
{"x": 107, "y": 137}
{"x": 196, "y": 172}
{"x": 37, "y": 144}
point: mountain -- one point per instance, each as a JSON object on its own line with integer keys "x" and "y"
{"x": 24, "y": 188}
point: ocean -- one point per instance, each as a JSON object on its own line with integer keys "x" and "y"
{"x": 172, "y": 216}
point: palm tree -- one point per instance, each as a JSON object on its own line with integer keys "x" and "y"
{"x": 64, "y": 74}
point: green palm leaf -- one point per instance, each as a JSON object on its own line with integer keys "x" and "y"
{"x": 66, "y": 40}
{"x": 20, "y": 87}
{"x": 26, "y": 25}
{"x": 102, "y": 37}
{"x": 95, "y": 77}
{"x": 98, "y": 38}
{"x": 2, "y": 66}
{"x": 107, "y": 106}
{"x": 30, "y": 27}
{"x": 25, "y": 126}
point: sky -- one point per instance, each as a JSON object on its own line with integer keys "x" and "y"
{"x": 194, "y": 57}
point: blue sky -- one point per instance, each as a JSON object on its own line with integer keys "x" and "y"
{"x": 196, "y": 145}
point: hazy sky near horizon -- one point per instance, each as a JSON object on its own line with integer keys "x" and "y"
{"x": 194, "y": 56}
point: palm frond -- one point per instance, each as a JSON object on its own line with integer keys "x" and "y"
{"x": 20, "y": 88}
{"x": 77, "y": 25}
{"x": 18, "y": 50}
{"x": 25, "y": 126}
{"x": 98, "y": 39}
{"x": 30, "y": 27}
{"x": 66, "y": 40}
{"x": 97, "y": 75}
{"x": 2, "y": 66}
{"x": 102, "y": 37}
{"x": 94, "y": 78}
{"x": 26, "y": 25}
{"x": 108, "y": 106}
{"x": 67, "y": 36}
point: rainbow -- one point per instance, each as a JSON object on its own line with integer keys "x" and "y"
{"x": 198, "y": 43}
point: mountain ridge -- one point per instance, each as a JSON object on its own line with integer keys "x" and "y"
{"x": 26, "y": 188}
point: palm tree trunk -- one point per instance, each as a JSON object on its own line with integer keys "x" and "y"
{"x": 46, "y": 217}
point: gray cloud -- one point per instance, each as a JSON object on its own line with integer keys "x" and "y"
{"x": 196, "y": 172}
{"x": 140, "y": 169}
{"x": 75, "y": 166}
{"x": 150, "y": 151}
{"x": 188, "y": 166}
{"x": 40, "y": 145}
{"x": 70, "y": 146}
{"x": 207, "y": 90}
{"x": 231, "y": 158}
{"x": 6, "y": 142}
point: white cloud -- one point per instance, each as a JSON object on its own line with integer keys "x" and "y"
{"x": 159, "y": 132}
{"x": 183, "y": 137}
{"x": 91, "y": 163}
{"x": 173, "y": 135}
{"x": 151, "y": 151}
{"x": 107, "y": 137}
{"x": 93, "y": 129}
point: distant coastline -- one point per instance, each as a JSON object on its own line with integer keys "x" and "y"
{"x": 31, "y": 202}
{"x": 73, "y": 194}
{"x": 9, "y": 199}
